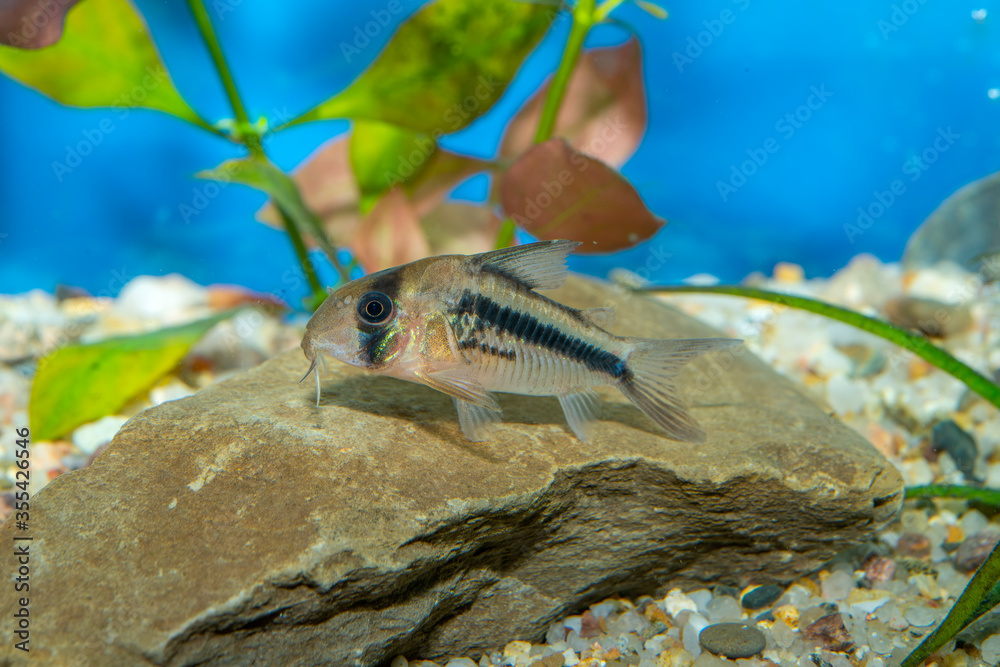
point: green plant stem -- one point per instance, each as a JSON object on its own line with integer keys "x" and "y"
{"x": 987, "y": 496}
{"x": 916, "y": 344}
{"x": 246, "y": 134}
{"x": 301, "y": 252}
{"x": 584, "y": 18}
{"x": 979, "y": 591}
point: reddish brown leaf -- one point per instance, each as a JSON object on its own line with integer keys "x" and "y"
{"x": 331, "y": 191}
{"x": 32, "y": 24}
{"x": 555, "y": 192}
{"x": 462, "y": 229}
{"x": 390, "y": 234}
{"x": 603, "y": 113}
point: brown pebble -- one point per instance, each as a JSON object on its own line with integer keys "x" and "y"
{"x": 879, "y": 569}
{"x": 913, "y": 545}
{"x": 589, "y": 625}
{"x": 830, "y": 633}
{"x": 973, "y": 550}
{"x": 929, "y": 317}
{"x": 554, "y": 660}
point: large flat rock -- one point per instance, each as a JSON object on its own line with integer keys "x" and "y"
{"x": 244, "y": 523}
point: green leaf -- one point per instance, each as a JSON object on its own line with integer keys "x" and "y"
{"x": 77, "y": 384}
{"x": 383, "y": 155}
{"x": 105, "y": 59}
{"x": 917, "y": 344}
{"x": 986, "y": 496}
{"x": 652, "y": 9}
{"x": 444, "y": 67}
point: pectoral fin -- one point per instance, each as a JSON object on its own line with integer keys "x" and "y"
{"x": 458, "y": 385}
{"x": 477, "y": 421}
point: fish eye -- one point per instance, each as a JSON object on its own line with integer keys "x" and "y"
{"x": 375, "y": 308}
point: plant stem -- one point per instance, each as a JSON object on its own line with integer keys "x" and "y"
{"x": 301, "y": 252}
{"x": 247, "y": 135}
{"x": 987, "y": 496}
{"x": 584, "y": 18}
{"x": 916, "y": 344}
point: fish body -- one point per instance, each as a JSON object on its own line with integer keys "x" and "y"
{"x": 472, "y": 325}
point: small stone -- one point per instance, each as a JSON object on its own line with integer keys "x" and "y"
{"x": 675, "y": 656}
{"x": 837, "y": 586}
{"x": 991, "y": 650}
{"x": 399, "y": 661}
{"x": 90, "y": 437}
{"x": 929, "y": 317}
{"x": 465, "y": 662}
{"x": 974, "y": 550}
{"x": 554, "y": 660}
{"x": 762, "y": 596}
{"x": 879, "y": 569}
{"x": 829, "y": 632}
{"x": 692, "y": 628}
{"x": 784, "y": 636}
{"x": 589, "y": 625}
{"x": 676, "y": 602}
{"x": 879, "y": 638}
{"x": 516, "y": 649}
{"x": 733, "y": 640}
{"x": 913, "y": 545}
{"x": 724, "y": 609}
{"x": 947, "y": 436}
{"x": 973, "y": 522}
{"x": 920, "y": 616}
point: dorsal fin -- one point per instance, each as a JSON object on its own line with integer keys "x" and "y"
{"x": 539, "y": 265}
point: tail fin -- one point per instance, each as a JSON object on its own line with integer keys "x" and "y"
{"x": 653, "y": 365}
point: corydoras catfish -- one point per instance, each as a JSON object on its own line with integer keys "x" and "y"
{"x": 468, "y": 325}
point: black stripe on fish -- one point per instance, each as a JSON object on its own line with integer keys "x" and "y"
{"x": 527, "y": 328}
{"x": 472, "y": 343}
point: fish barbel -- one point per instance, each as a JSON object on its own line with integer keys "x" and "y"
{"x": 468, "y": 325}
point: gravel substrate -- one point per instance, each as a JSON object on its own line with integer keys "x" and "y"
{"x": 869, "y": 606}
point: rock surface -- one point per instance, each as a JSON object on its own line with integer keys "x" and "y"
{"x": 245, "y": 521}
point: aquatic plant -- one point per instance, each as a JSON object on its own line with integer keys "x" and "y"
{"x": 445, "y": 66}
{"x": 983, "y": 591}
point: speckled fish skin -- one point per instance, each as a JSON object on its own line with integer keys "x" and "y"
{"x": 471, "y": 325}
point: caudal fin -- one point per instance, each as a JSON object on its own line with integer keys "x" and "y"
{"x": 653, "y": 365}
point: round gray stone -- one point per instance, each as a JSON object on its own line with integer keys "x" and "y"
{"x": 733, "y": 640}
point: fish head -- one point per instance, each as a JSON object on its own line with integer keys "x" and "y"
{"x": 364, "y": 323}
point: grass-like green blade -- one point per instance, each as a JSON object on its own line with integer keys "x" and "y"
{"x": 77, "y": 384}
{"x": 983, "y": 591}
{"x": 987, "y": 496}
{"x": 919, "y": 345}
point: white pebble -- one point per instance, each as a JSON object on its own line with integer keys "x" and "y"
{"x": 676, "y": 602}
{"x": 460, "y": 662}
{"x": 701, "y": 598}
{"x": 837, "y": 586}
{"x": 167, "y": 299}
{"x": 920, "y": 616}
{"x": 399, "y": 661}
{"x": 972, "y": 522}
{"x": 724, "y": 609}
{"x": 991, "y": 650}
{"x": 695, "y": 624}
{"x": 91, "y": 437}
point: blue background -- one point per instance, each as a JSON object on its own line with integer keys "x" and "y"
{"x": 117, "y": 215}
